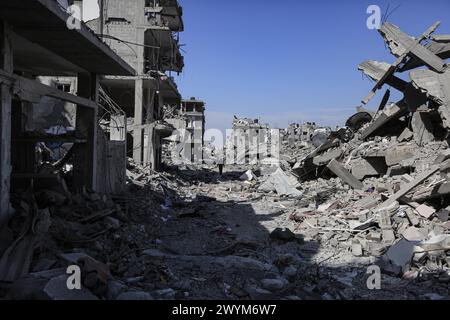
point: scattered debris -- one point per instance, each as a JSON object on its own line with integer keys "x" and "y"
{"x": 307, "y": 225}
{"x": 280, "y": 183}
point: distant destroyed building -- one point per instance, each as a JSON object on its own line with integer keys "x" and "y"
{"x": 248, "y": 142}
{"x": 300, "y": 132}
{"x": 194, "y": 112}
{"x": 186, "y": 143}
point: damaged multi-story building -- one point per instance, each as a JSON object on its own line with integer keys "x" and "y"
{"x": 35, "y": 41}
{"x": 145, "y": 34}
{"x": 194, "y": 112}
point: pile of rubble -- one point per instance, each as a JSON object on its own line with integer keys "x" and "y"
{"x": 50, "y": 230}
{"x": 373, "y": 193}
{"x": 391, "y": 198}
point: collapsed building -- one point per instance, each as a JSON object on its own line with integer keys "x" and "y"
{"x": 373, "y": 195}
{"x": 186, "y": 144}
{"x": 249, "y": 141}
{"x": 297, "y": 133}
{"x": 395, "y": 160}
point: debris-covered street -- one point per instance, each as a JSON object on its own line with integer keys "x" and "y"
{"x": 114, "y": 187}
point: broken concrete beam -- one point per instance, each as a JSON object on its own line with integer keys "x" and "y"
{"x": 369, "y": 167}
{"x": 385, "y": 100}
{"x": 437, "y": 65}
{"x": 440, "y": 49}
{"x": 345, "y": 175}
{"x": 409, "y": 202}
{"x": 443, "y": 156}
{"x": 441, "y": 38}
{"x": 325, "y": 146}
{"x": 327, "y": 157}
{"x": 395, "y": 112}
{"x": 436, "y": 192}
{"x": 375, "y": 70}
{"x": 401, "y": 44}
{"x": 408, "y": 187}
{"x": 422, "y": 126}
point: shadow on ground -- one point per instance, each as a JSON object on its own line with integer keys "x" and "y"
{"x": 223, "y": 246}
{"x": 223, "y": 241}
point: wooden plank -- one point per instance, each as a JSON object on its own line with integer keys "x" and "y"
{"x": 345, "y": 175}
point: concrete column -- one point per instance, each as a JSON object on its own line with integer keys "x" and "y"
{"x": 138, "y": 143}
{"x": 149, "y": 152}
{"x": 139, "y": 101}
{"x": 101, "y": 4}
{"x": 152, "y": 148}
{"x": 6, "y": 63}
{"x": 85, "y": 164}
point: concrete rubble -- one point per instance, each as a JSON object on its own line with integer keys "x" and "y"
{"x": 304, "y": 226}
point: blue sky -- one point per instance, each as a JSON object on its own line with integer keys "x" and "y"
{"x": 288, "y": 60}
